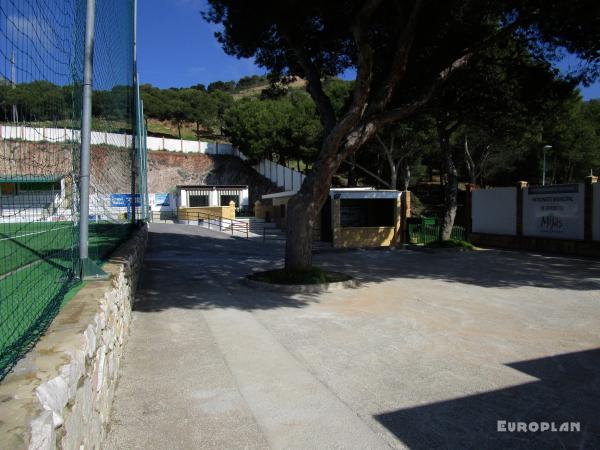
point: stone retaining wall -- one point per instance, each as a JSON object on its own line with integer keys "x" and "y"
{"x": 60, "y": 394}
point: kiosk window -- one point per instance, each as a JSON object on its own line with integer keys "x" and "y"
{"x": 358, "y": 213}
{"x": 198, "y": 201}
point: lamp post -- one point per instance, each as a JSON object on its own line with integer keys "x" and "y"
{"x": 545, "y": 148}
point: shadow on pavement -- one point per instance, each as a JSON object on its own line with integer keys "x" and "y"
{"x": 191, "y": 267}
{"x": 567, "y": 390}
{"x": 201, "y": 269}
{"x": 486, "y": 268}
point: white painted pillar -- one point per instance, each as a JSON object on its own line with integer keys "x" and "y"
{"x": 183, "y": 199}
{"x": 244, "y": 200}
{"x": 213, "y": 198}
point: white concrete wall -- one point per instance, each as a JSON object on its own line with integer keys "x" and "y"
{"x": 596, "y": 213}
{"x": 190, "y": 146}
{"x": 38, "y": 134}
{"x": 172, "y": 145}
{"x": 554, "y": 211}
{"x": 284, "y": 177}
{"x": 494, "y": 211}
{"x": 154, "y": 143}
{"x": 119, "y": 140}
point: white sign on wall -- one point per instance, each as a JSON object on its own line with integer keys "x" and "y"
{"x": 554, "y": 211}
{"x": 161, "y": 201}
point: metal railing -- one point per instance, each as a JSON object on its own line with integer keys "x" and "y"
{"x": 425, "y": 234}
{"x": 163, "y": 215}
{"x": 214, "y": 222}
{"x": 210, "y": 221}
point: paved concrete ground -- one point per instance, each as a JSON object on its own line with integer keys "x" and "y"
{"x": 430, "y": 352}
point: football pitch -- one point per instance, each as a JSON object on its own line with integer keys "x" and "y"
{"x": 37, "y": 276}
{"x": 24, "y": 243}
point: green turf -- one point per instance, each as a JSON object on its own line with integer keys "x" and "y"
{"x": 24, "y": 243}
{"x": 38, "y": 270}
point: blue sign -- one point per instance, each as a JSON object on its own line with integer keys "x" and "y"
{"x": 161, "y": 199}
{"x": 123, "y": 200}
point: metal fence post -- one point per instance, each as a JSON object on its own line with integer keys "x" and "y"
{"x": 88, "y": 270}
{"x": 135, "y": 129}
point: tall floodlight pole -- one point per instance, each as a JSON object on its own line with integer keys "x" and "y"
{"x": 545, "y": 148}
{"x": 88, "y": 269}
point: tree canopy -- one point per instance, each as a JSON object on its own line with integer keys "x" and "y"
{"x": 403, "y": 53}
{"x": 286, "y": 126}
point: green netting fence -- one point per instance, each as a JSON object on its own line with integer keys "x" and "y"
{"x": 422, "y": 233}
{"x": 41, "y": 73}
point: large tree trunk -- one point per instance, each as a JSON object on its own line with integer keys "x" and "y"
{"x": 301, "y": 217}
{"x": 352, "y": 175}
{"x": 393, "y": 176}
{"x": 352, "y": 130}
{"x": 471, "y": 167}
{"x": 451, "y": 186}
{"x": 405, "y": 174}
{"x": 303, "y": 210}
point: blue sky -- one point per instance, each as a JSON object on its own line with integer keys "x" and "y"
{"x": 177, "y": 48}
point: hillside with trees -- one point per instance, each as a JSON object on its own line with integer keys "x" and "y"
{"x": 199, "y": 111}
